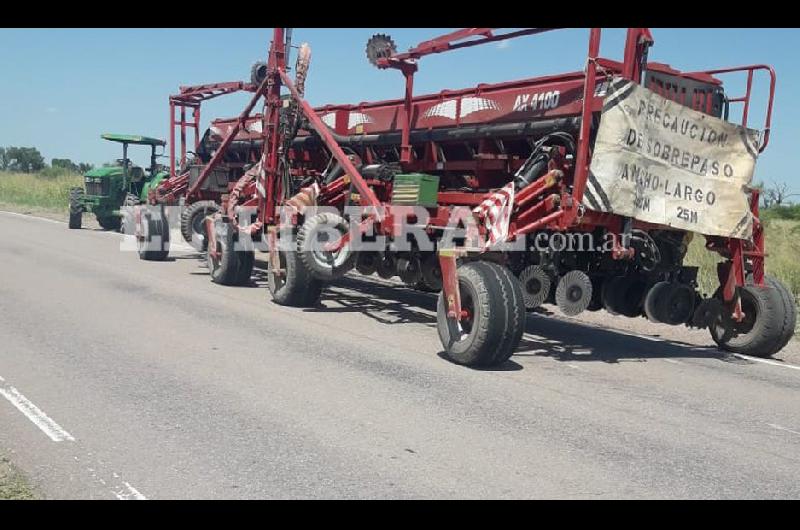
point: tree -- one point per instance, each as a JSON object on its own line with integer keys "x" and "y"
{"x": 777, "y": 194}
{"x": 3, "y": 159}
{"x": 25, "y": 159}
{"x": 64, "y": 163}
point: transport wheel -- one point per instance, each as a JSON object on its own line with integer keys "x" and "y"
{"x": 387, "y": 266}
{"x": 409, "y": 270}
{"x": 574, "y": 292}
{"x": 193, "y": 223}
{"x": 155, "y": 231}
{"x": 651, "y": 301}
{"x": 431, "y": 274}
{"x": 494, "y": 316}
{"x": 75, "y": 207}
{"x": 294, "y": 286}
{"x": 624, "y": 295}
{"x": 228, "y": 266}
{"x": 367, "y": 263}
{"x": 128, "y": 216}
{"x": 109, "y": 222}
{"x": 676, "y": 304}
{"x": 535, "y": 284}
{"x": 768, "y": 325}
{"x": 596, "y": 303}
{"x": 313, "y": 235}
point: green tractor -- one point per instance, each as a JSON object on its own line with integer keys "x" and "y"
{"x": 109, "y": 189}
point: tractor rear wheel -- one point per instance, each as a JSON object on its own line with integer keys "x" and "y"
{"x": 768, "y": 325}
{"x": 154, "y": 242}
{"x": 228, "y": 266}
{"x": 193, "y": 225}
{"x": 75, "y": 207}
{"x": 293, "y": 285}
{"x": 493, "y": 316}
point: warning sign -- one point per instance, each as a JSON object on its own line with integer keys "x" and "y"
{"x": 661, "y": 162}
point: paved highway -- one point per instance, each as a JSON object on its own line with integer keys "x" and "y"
{"x": 127, "y": 379}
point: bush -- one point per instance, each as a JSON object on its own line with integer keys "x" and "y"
{"x": 32, "y": 189}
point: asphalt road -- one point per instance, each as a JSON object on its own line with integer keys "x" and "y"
{"x": 126, "y": 379}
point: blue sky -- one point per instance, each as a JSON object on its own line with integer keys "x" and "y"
{"x": 61, "y": 88}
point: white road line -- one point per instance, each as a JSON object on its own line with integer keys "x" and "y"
{"x": 35, "y": 414}
{"x": 767, "y": 361}
{"x": 128, "y": 493}
{"x": 658, "y": 339}
{"x": 31, "y": 216}
{"x": 774, "y": 426}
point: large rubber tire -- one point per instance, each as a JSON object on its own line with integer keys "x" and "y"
{"x": 110, "y": 222}
{"x": 491, "y": 333}
{"x": 296, "y": 287}
{"x": 229, "y": 266}
{"x": 315, "y": 232}
{"x": 770, "y": 320}
{"x": 193, "y": 227}
{"x": 128, "y": 216}
{"x": 624, "y": 295}
{"x": 75, "y": 207}
{"x": 155, "y": 246}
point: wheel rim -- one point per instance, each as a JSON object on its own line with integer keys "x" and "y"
{"x": 467, "y": 321}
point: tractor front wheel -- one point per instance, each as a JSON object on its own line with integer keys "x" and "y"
{"x": 492, "y": 316}
{"x": 75, "y": 207}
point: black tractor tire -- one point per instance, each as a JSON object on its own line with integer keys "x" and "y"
{"x": 193, "y": 227}
{"x": 75, "y": 207}
{"x": 496, "y": 316}
{"x": 770, "y": 320}
{"x": 295, "y": 287}
{"x": 128, "y": 214}
{"x": 109, "y": 222}
{"x": 317, "y": 231}
{"x": 226, "y": 268}
{"x": 155, "y": 246}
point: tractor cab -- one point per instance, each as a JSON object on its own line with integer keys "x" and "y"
{"x": 107, "y": 189}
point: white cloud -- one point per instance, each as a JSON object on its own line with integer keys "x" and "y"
{"x": 51, "y": 110}
{"x": 503, "y": 45}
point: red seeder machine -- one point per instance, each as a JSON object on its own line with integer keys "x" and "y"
{"x": 455, "y": 191}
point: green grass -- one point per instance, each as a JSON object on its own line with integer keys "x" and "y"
{"x": 13, "y": 485}
{"x": 783, "y": 259}
{"x": 49, "y": 191}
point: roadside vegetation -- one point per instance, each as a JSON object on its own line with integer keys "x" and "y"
{"x": 13, "y": 485}
{"x": 47, "y": 189}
